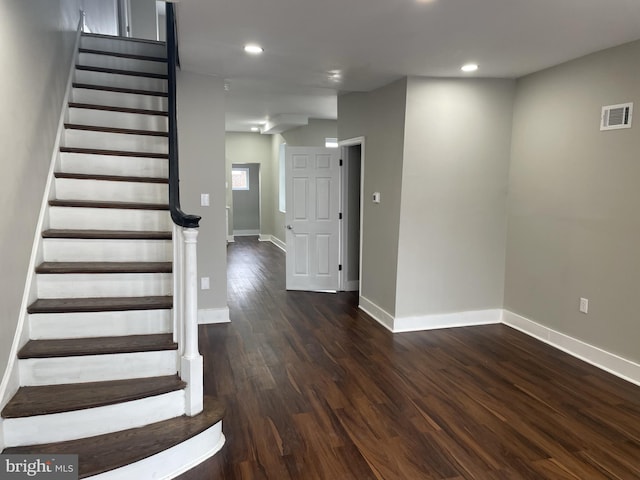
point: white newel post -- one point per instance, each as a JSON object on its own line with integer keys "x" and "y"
{"x": 191, "y": 364}
{"x": 178, "y": 289}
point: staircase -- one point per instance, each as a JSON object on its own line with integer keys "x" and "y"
{"x": 99, "y": 375}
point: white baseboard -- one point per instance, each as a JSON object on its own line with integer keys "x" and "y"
{"x": 208, "y": 316}
{"x": 447, "y": 320}
{"x": 230, "y": 238}
{"x": 378, "y": 314}
{"x": 609, "y": 362}
{"x": 275, "y": 240}
{"x": 246, "y": 233}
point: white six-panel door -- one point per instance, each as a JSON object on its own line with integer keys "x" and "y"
{"x": 312, "y": 177}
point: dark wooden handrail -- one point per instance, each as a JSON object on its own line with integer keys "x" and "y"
{"x": 177, "y": 215}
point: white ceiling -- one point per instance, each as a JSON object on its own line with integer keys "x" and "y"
{"x": 374, "y": 42}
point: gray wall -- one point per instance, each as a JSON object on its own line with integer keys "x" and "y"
{"x": 202, "y": 170}
{"x": 36, "y": 45}
{"x": 311, "y": 135}
{"x": 246, "y": 203}
{"x": 454, "y": 189}
{"x": 574, "y": 227}
{"x": 380, "y": 117}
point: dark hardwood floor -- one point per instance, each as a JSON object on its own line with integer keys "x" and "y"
{"x": 315, "y": 389}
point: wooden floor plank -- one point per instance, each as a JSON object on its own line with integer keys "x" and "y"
{"x": 315, "y": 389}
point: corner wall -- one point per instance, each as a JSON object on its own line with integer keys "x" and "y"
{"x": 36, "y": 43}
{"x": 454, "y": 192}
{"x": 379, "y": 116}
{"x": 573, "y": 224}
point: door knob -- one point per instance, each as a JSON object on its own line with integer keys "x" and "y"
{"x": 289, "y": 227}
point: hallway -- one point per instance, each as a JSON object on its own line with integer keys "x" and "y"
{"x": 315, "y": 389}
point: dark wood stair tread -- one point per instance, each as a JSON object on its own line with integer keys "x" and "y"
{"x": 113, "y": 153}
{"x": 108, "y": 88}
{"x": 105, "y": 204}
{"x": 76, "y": 347}
{"x": 117, "y": 71}
{"x": 49, "y": 399}
{"x": 111, "y": 108}
{"x": 127, "y": 131}
{"x": 110, "y": 178}
{"x": 107, "y": 234}
{"x": 103, "y": 267}
{"x": 123, "y": 55}
{"x": 101, "y": 304}
{"x": 107, "y": 452}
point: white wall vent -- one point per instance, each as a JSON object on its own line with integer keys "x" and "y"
{"x": 616, "y": 116}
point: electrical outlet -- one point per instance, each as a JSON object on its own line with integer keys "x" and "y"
{"x": 584, "y": 305}
{"x": 204, "y": 199}
{"x": 204, "y": 283}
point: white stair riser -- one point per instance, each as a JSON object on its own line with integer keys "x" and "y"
{"x": 96, "y": 368}
{"x": 109, "y": 219}
{"x": 90, "y": 422}
{"x": 123, "y": 81}
{"x": 75, "y": 189}
{"x": 115, "y": 141}
{"x": 114, "y": 165}
{"x": 117, "y": 99}
{"x": 50, "y": 326}
{"x": 103, "y": 118}
{"x": 122, "y": 63}
{"x": 121, "y": 45}
{"x": 79, "y": 250}
{"x": 92, "y": 285}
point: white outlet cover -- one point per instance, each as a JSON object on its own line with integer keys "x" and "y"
{"x": 204, "y": 283}
{"x": 584, "y": 305}
{"x": 204, "y": 199}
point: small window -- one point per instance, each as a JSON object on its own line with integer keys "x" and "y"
{"x": 331, "y": 142}
{"x": 240, "y": 179}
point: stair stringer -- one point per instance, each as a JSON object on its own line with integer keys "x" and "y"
{"x": 11, "y": 378}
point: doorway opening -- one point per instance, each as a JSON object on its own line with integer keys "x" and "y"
{"x": 245, "y": 186}
{"x": 351, "y": 226}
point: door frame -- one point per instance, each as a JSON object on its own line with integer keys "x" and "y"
{"x": 344, "y": 180}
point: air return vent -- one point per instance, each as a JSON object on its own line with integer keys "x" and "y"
{"x": 616, "y": 116}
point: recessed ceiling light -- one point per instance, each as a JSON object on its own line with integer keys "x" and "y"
{"x": 469, "y": 67}
{"x": 254, "y": 129}
{"x": 253, "y": 49}
{"x": 334, "y": 75}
